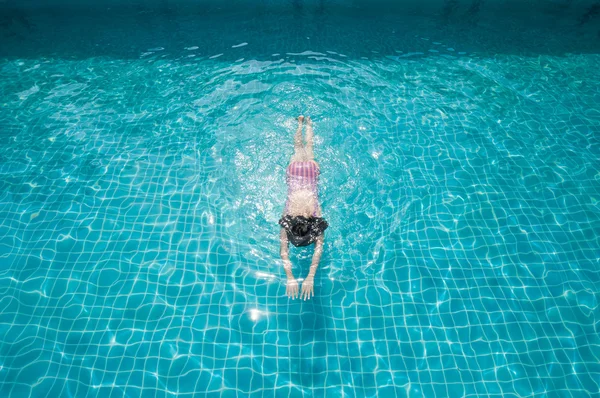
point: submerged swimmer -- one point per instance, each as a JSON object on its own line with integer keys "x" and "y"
{"x": 301, "y": 222}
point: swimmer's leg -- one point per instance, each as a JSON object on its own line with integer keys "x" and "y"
{"x": 298, "y": 147}
{"x": 309, "y": 139}
{"x": 298, "y": 137}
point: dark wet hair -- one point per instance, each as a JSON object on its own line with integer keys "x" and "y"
{"x": 303, "y": 231}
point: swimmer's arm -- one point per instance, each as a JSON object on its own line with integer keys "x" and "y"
{"x": 285, "y": 254}
{"x": 291, "y": 289}
{"x": 316, "y": 257}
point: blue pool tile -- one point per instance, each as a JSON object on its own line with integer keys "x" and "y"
{"x": 142, "y": 174}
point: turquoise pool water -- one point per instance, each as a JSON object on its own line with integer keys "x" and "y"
{"x": 142, "y": 176}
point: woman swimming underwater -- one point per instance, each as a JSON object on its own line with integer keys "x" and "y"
{"x": 301, "y": 222}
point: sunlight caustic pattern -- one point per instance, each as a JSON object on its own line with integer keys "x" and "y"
{"x": 140, "y": 193}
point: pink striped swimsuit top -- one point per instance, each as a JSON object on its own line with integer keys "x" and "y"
{"x": 301, "y": 176}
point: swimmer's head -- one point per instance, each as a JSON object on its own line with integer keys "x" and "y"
{"x": 303, "y": 231}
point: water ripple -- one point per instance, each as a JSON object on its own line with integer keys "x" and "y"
{"x": 141, "y": 184}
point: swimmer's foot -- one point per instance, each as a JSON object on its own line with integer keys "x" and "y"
{"x": 308, "y": 121}
{"x": 300, "y": 120}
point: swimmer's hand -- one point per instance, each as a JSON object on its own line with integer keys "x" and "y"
{"x": 308, "y": 288}
{"x": 291, "y": 289}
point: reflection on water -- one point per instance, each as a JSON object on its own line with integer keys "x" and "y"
{"x": 142, "y": 177}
